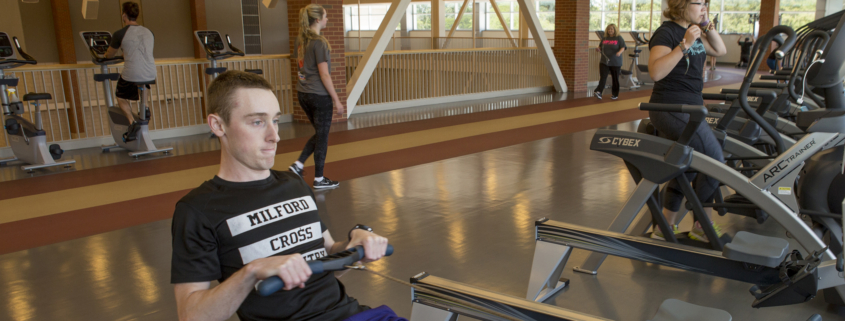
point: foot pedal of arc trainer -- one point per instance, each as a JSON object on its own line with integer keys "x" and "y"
{"x": 756, "y": 249}
{"x": 677, "y": 310}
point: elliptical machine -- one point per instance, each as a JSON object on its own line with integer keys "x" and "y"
{"x": 120, "y": 126}
{"x": 28, "y": 140}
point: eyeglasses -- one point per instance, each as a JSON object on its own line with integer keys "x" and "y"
{"x": 706, "y": 4}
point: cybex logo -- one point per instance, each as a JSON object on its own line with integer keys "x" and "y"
{"x": 619, "y": 141}
{"x": 752, "y": 99}
{"x": 712, "y": 120}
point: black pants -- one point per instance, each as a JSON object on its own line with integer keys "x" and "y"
{"x": 614, "y": 76}
{"x": 704, "y": 141}
{"x": 319, "y": 110}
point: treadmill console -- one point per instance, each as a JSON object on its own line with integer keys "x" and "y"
{"x": 6, "y": 47}
{"x": 212, "y": 41}
{"x": 97, "y": 41}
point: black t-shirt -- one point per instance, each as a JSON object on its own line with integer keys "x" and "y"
{"x": 681, "y": 85}
{"x": 221, "y": 226}
{"x": 745, "y": 47}
{"x": 609, "y": 47}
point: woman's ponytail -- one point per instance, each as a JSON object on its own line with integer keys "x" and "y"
{"x": 309, "y": 15}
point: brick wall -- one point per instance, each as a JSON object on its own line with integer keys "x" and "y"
{"x": 334, "y": 34}
{"x": 572, "y": 40}
{"x": 769, "y": 12}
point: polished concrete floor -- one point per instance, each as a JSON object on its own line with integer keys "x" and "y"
{"x": 467, "y": 218}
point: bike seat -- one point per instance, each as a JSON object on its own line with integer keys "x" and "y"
{"x": 141, "y": 83}
{"x": 110, "y": 61}
{"x": 677, "y": 310}
{"x": 212, "y": 71}
{"x": 36, "y": 96}
{"x": 756, "y": 249}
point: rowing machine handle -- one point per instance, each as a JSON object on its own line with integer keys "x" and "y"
{"x": 274, "y": 283}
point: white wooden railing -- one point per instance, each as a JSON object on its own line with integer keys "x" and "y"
{"x": 425, "y": 74}
{"x": 78, "y": 109}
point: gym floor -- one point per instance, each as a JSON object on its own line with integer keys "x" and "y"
{"x": 455, "y": 188}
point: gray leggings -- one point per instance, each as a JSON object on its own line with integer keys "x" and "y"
{"x": 671, "y": 125}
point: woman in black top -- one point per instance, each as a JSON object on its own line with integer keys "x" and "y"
{"x": 315, "y": 90}
{"x": 611, "y": 47}
{"x": 677, "y": 54}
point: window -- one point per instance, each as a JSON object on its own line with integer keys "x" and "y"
{"x": 546, "y": 13}
{"x": 510, "y": 12}
{"x": 735, "y": 16}
{"x": 628, "y": 15}
{"x": 452, "y": 9}
{"x": 371, "y": 16}
{"x": 421, "y": 16}
{"x": 796, "y": 13}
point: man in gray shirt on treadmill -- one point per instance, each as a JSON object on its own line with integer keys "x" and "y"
{"x": 139, "y": 65}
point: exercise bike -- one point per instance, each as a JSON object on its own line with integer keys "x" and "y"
{"x": 642, "y": 70}
{"x": 216, "y": 49}
{"x": 136, "y": 139}
{"x": 28, "y": 140}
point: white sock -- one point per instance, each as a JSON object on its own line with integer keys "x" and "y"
{"x": 318, "y": 179}
{"x": 299, "y": 164}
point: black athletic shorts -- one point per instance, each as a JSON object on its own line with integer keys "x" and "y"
{"x": 127, "y": 90}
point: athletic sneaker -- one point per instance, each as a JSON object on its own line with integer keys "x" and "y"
{"x": 296, "y": 170}
{"x": 326, "y": 183}
{"x": 131, "y": 132}
{"x": 597, "y": 93}
{"x": 614, "y": 97}
{"x": 697, "y": 233}
{"x": 658, "y": 235}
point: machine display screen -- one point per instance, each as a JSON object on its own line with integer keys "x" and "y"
{"x": 212, "y": 40}
{"x": 6, "y": 46}
{"x": 98, "y": 40}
